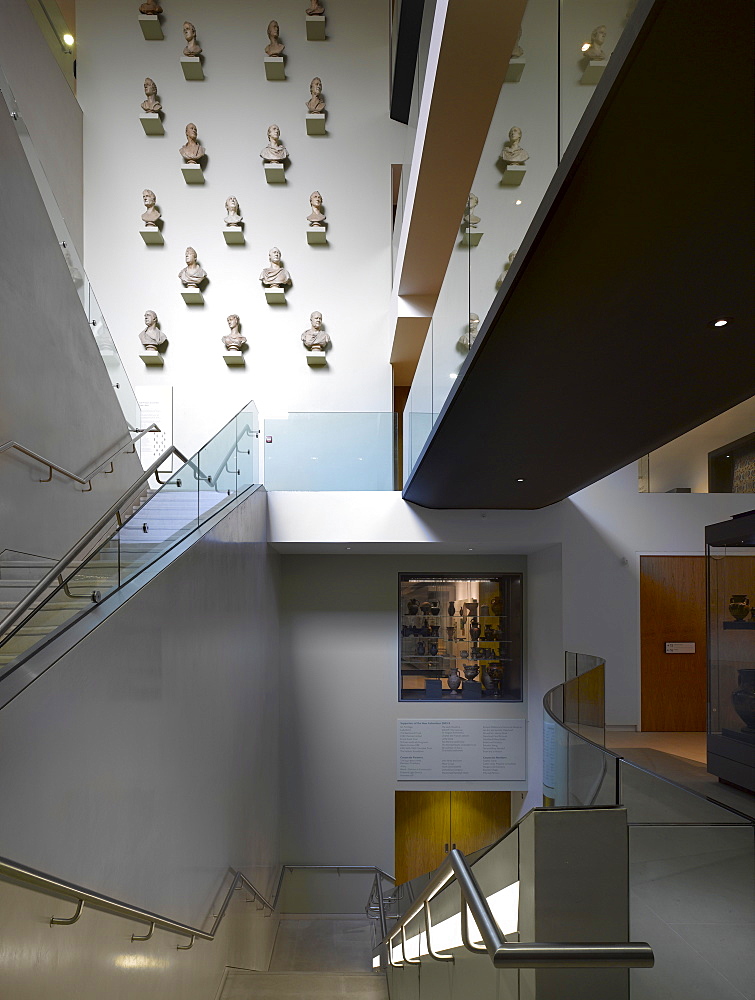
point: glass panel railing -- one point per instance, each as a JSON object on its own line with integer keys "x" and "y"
{"x": 224, "y": 469}
{"x": 118, "y": 378}
{"x": 550, "y": 82}
{"x": 329, "y": 451}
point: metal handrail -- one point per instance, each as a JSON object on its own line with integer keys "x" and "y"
{"x": 508, "y": 954}
{"x": 347, "y": 869}
{"x": 88, "y": 477}
{"x": 63, "y": 563}
{"x": 20, "y": 873}
{"x": 9, "y": 869}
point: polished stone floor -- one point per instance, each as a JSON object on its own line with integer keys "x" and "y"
{"x": 680, "y": 757}
{"x": 317, "y": 957}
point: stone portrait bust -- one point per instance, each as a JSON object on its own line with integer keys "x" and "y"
{"x": 470, "y": 219}
{"x": 151, "y": 337}
{"x": 233, "y": 340}
{"x": 274, "y": 45}
{"x": 316, "y": 216}
{"x": 151, "y": 105}
{"x": 474, "y": 325}
{"x": 315, "y": 9}
{"x": 150, "y": 7}
{"x": 275, "y": 151}
{"x": 518, "y": 51}
{"x": 316, "y": 103}
{"x": 275, "y": 276}
{"x": 233, "y": 216}
{"x": 512, "y": 151}
{"x": 192, "y": 275}
{"x": 192, "y": 152}
{"x": 594, "y": 51}
{"x": 151, "y": 215}
{"x": 192, "y": 48}
{"x": 315, "y": 338}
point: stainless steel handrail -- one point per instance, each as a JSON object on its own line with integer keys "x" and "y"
{"x": 9, "y": 869}
{"x": 30, "y": 876}
{"x": 508, "y": 954}
{"x": 88, "y": 477}
{"x": 347, "y": 869}
{"x": 62, "y": 564}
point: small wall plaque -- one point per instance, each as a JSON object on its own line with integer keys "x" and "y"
{"x": 680, "y": 647}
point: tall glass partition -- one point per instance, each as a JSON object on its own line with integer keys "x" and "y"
{"x": 553, "y": 74}
{"x": 223, "y": 470}
{"x": 96, "y": 321}
{"x": 329, "y": 451}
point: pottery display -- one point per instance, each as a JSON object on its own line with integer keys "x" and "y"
{"x": 432, "y": 649}
{"x": 451, "y": 609}
{"x": 739, "y": 607}
{"x": 434, "y": 608}
{"x": 484, "y": 610}
{"x": 471, "y": 608}
{"x": 425, "y": 607}
{"x": 470, "y": 671}
{"x": 420, "y": 648}
{"x": 451, "y": 632}
{"x": 474, "y": 630}
{"x": 412, "y": 607}
{"x": 496, "y": 607}
{"x": 454, "y": 681}
{"x": 743, "y": 698}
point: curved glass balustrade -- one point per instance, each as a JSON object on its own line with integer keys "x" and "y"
{"x": 149, "y": 524}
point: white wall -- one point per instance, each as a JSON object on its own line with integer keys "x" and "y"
{"x": 348, "y": 280}
{"x": 48, "y": 108}
{"x": 339, "y": 704}
{"x": 143, "y": 764}
{"x": 56, "y": 397}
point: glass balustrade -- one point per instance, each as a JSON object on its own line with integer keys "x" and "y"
{"x": 153, "y": 523}
{"x": 329, "y": 451}
{"x": 552, "y": 77}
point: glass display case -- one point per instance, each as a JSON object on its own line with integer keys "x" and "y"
{"x": 460, "y": 636}
{"x": 730, "y": 549}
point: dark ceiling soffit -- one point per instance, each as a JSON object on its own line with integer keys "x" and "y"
{"x": 405, "y": 62}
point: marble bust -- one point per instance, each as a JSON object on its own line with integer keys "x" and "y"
{"x": 316, "y": 216}
{"x": 233, "y": 216}
{"x": 594, "y": 51}
{"x": 192, "y": 152}
{"x": 233, "y": 340}
{"x": 151, "y": 105}
{"x": 192, "y": 275}
{"x": 512, "y": 151}
{"x": 315, "y": 9}
{"x": 315, "y": 338}
{"x": 470, "y": 219}
{"x": 151, "y": 216}
{"x": 474, "y": 324}
{"x": 275, "y": 151}
{"x": 275, "y": 276}
{"x": 316, "y": 103}
{"x": 275, "y": 46}
{"x": 150, "y": 7}
{"x": 151, "y": 337}
{"x": 190, "y": 34}
{"x": 518, "y": 51}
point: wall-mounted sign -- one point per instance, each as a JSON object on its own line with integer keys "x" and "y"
{"x": 461, "y": 750}
{"x": 680, "y": 647}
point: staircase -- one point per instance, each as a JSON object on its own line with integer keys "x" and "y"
{"x": 136, "y": 531}
{"x": 326, "y": 957}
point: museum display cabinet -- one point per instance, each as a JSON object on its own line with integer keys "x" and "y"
{"x": 730, "y": 552}
{"x": 460, "y": 636}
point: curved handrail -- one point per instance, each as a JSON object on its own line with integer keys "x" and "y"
{"x": 507, "y": 954}
{"x": 64, "y": 562}
{"x": 89, "y": 476}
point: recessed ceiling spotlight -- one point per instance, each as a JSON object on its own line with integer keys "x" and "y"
{"x": 68, "y": 39}
{"x": 721, "y": 322}
{"x": 518, "y": 201}
{"x": 520, "y": 480}
{"x": 348, "y": 548}
{"x": 470, "y": 550}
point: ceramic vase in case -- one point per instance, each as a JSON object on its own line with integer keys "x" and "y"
{"x": 454, "y": 681}
{"x": 739, "y": 607}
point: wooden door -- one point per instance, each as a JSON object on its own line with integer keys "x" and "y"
{"x": 478, "y": 819}
{"x": 672, "y": 609}
{"x": 429, "y": 823}
{"x": 423, "y": 829}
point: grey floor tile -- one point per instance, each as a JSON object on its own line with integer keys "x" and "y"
{"x": 323, "y": 945}
{"x": 730, "y": 950}
{"x": 303, "y": 986}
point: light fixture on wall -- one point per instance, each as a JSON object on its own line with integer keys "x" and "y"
{"x": 721, "y": 321}
{"x": 68, "y": 39}
{"x": 586, "y": 46}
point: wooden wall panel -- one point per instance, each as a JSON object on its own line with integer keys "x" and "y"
{"x": 672, "y": 609}
{"x": 423, "y": 824}
{"x": 478, "y": 819}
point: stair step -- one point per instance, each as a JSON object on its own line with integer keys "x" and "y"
{"x": 241, "y": 985}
